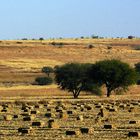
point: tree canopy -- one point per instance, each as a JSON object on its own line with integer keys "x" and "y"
{"x": 114, "y": 74}
{"x": 72, "y": 77}
{"x": 47, "y": 70}
{"x": 137, "y": 67}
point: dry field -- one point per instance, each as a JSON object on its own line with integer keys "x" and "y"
{"x": 33, "y": 112}
{"x": 45, "y": 118}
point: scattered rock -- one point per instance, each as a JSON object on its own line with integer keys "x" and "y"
{"x": 63, "y": 115}
{"x": 26, "y": 114}
{"x": 28, "y": 118}
{"x": 59, "y": 110}
{"x": 24, "y": 130}
{"x": 82, "y": 109}
{"x": 34, "y": 111}
{"x": 38, "y": 123}
{"x": 88, "y": 107}
{"x": 101, "y": 113}
{"x": 26, "y": 110}
{"x": 53, "y": 124}
{"x": 49, "y": 109}
{"x": 15, "y": 116}
{"x": 98, "y": 120}
{"x": 4, "y": 110}
{"x": 132, "y": 122}
{"x": 80, "y": 118}
{"x": 86, "y": 130}
{"x": 69, "y": 112}
{"x": 8, "y": 117}
{"x": 133, "y": 134}
{"x": 49, "y": 115}
{"x": 108, "y": 126}
{"x": 71, "y": 132}
{"x": 38, "y": 106}
{"x": 112, "y": 109}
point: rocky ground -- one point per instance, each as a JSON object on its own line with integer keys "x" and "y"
{"x": 88, "y": 119}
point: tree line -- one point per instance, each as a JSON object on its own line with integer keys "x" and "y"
{"x": 76, "y": 77}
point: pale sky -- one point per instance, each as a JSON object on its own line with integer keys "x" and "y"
{"x": 69, "y": 18}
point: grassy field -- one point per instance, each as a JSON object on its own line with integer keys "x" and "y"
{"x": 31, "y": 112}
{"x": 21, "y": 61}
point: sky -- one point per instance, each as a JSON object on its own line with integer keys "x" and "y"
{"x": 69, "y": 18}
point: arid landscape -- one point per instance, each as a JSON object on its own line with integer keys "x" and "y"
{"x": 29, "y": 111}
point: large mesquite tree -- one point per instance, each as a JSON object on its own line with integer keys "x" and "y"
{"x": 114, "y": 74}
{"x": 73, "y": 77}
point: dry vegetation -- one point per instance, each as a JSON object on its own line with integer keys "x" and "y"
{"x": 21, "y": 62}
{"x": 43, "y": 118}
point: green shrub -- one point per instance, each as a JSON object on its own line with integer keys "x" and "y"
{"x": 18, "y": 42}
{"x": 93, "y": 88}
{"x": 130, "y": 37}
{"x": 44, "y": 81}
{"x": 109, "y": 47}
{"x": 60, "y": 44}
{"x": 137, "y": 47}
{"x": 90, "y": 46}
{"x": 47, "y": 70}
{"x": 41, "y": 38}
{"x": 94, "y": 37}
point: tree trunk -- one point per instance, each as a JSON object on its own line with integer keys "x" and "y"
{"x": 76, "y": 94}
{"x": 108, "y": 92}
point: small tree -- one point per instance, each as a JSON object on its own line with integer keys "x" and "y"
{"x": 43, "y": 81}
{"x": 137, "y": 67}
{"x": 130, "y": 37}
{"x": 72, "y": 77}
{"x": 94, "y": 37}
{"x": 90, "y": 46}
{"x": 48, "y": 70}
{"x": 41, "y": 38}
{"x": 114, "y": 74}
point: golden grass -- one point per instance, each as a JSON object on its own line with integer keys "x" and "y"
{"x": 28, "y": 87}
{"x": 22, "y": 62}
{"x": 29, "y": 64}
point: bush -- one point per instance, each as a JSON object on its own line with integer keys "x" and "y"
{"x": 43, "y": 81}
{"x": 18, "y": 42}
{"x": 24, "y": 39}
{"x": 93, "y": 88}
{"x": 137, "y": 48}
{"x": 47, "y": 70}
{"x": 94, "y": 37}
{"x": 58, "y": 44}
{"x": 109, "y": 47}
{"x": 90, "y": 46}
{"x": 41, "y": 38}
{"x": 130, "y": 37}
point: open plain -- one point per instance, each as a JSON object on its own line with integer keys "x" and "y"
{"x": 32, "y": 112}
